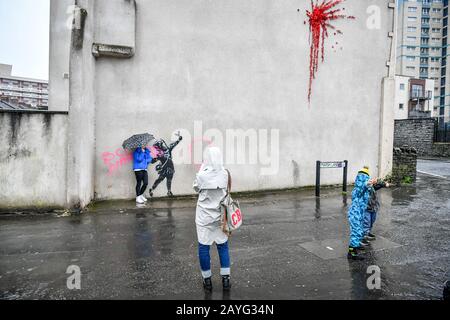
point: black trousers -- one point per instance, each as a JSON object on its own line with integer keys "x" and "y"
{"x": 141, "y": 182}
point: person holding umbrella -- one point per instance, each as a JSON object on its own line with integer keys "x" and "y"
{"x": 141, "y": 159}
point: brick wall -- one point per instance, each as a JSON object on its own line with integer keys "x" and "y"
{"x": 416, "y": 133}
{"x": 440, "y": 150}
{"x": 404, "y": 164}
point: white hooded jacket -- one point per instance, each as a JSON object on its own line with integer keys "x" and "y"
{"x": 211, "y": 184}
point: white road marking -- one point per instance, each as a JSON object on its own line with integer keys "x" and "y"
{"x": 431, "y": 174}
{"x": 330, "y": 248}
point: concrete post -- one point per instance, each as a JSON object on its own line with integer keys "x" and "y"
{"x": 388, "y": 103}
{"x": 81, "y": 133}
{"x": 60, "y": 34}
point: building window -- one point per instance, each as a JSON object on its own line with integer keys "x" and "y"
{"x": 412, "y": 19}
{"x": 411, "y": 48}
{"x": 412, "y": 29}
{"x": 409, "y": 68}
{"x": 411, "y": 39}
{"x": 400, "y": 106}
{"x": 416, "y": 91}
{"x": 402, "y": 86}
{"x": 412, "y": 9}
{"x": 411, "y": 58}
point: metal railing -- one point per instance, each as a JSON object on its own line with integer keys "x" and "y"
{"x": 442, "y": 130}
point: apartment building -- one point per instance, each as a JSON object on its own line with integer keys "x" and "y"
{"x": 422, "y": 48}
{"x": 414, "y": 97}
{"x": 22, "y": 93}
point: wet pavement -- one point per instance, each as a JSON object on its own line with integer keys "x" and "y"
{"x": 439, "y": 169}
{"x": 291, "y": 246}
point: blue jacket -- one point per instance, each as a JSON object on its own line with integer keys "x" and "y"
{"x": 360, "y": 199}
{"x": 141, "y": 159}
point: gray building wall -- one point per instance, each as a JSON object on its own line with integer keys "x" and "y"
{"x": 235, "y": 65}
{"x": 33, "y": 157}
{"x": 244, "y": 65}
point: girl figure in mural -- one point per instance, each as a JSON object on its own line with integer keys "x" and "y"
{"x": 165, "y": 168}
{"x": 211, "y": 183}
{"x": 360, "y": 199}
{"x": 141, "y": 160}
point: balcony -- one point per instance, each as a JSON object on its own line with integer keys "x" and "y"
{"x": 23, "y": 89}
{"x": 419, "y": 95}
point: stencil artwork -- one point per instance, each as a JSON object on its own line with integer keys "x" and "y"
{"x": 322, "y": 13}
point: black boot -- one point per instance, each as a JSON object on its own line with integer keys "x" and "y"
{"x": 364, "y": 243}
{"x": 207, "y": 284}
{"x": 170, "y": 194}
{"x": 353, "y": 254}
{"x": 150, "y": 193}
{"x": 226, "y": 282}
{"x": 371, "y": 236}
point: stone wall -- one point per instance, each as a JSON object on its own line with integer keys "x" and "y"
{"x": 404, "y": 167}
{"x": 33, "y": 157}
{"x": 417, "y": 133}
{"x": 441, "y": 150}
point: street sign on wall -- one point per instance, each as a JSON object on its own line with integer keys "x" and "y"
{"x": 332, "y": 164}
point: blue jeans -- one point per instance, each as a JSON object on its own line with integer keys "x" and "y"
{"x": 369, "y": 220}
{"x": 205, "y": 259}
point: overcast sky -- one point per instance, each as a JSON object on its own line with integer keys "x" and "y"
{"x": 24, "y": 37}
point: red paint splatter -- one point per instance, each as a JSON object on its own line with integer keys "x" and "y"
{"x": 320, "y": 17}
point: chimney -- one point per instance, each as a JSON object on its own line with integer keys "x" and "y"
{"x": 5, "y": 70}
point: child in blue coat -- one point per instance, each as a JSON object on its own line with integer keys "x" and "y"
{"x": 360, "y": 199}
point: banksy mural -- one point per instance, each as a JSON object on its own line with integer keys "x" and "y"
{"x": 319, "y": 18}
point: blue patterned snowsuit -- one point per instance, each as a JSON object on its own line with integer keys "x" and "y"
{"x": 360, "y": 199}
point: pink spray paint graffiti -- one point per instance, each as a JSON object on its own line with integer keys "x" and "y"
{"x": 116, "y": 160}
{"x": 120, "y": 158}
